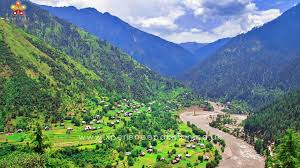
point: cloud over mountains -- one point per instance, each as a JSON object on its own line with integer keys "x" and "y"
{"x": 187, "y": 20}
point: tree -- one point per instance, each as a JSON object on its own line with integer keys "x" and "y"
{"x": 39, "y": 140}
{"x": 288, "y": 152}
{"x": 200, "y": 158}
{"x": 130, "y": 161}
{"x": 259, "y": 146}
{"x": 158, "y": 157}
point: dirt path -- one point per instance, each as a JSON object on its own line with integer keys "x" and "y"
{"x": 238, "y": 153}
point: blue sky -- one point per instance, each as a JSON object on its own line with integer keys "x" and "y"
{"x": 188, "y": 20}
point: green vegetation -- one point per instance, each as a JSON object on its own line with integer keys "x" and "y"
{"x": 271, "y": 122}
{"x": 257, "y": 67}
{"x": 237, "y": 107}
{"x": 287, "y": 153}
{"x": 222, "y": 121}
{"x": 79, "y": 116}
{"x": 117, "y": 72}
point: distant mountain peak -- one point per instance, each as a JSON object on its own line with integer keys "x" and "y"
{"x": 160, "y": 55}
{"x": 255, "y": 66}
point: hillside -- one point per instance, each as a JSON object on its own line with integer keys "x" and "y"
{"x": 119, "y": 73}
{"x": 37, "y": 80}
{"x": 56, "y": 114}
{"x": 158, "y": 54}
{"x": 209, "y": 49}
{"x": 192, "y": 46}
{"x": 256, "y": 66}
{"x": 271, "y": 122}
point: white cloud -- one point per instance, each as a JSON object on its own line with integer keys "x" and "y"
{"x": 258, "y": 19}
{"x": 182, "y": 20}
{"x": 166, "y": 22}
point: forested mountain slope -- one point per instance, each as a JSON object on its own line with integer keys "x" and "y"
{"x": 162, "y": 56}
{"x": 273, "y": 120}
{"x": 192, "y": 46}
{"x": 119, "y": 73}
{"x": 55, "y": 113}
{"x": 256, "y": 66}
{"x": 37, "y": 80}
{"x": 210, "y": 49}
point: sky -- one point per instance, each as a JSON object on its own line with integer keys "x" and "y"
{"x": 180, "y": 21}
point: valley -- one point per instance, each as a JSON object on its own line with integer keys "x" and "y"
{"x": 82, "y": 88}
{"x": 238, "y": 153}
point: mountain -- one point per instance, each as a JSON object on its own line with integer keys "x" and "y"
{"x": 209, "y": 49}
{"x": 119, "y": 73}
{"x": 270, "y": 122}
{"x": 49, "y": 103}
{"x": 158, "y": 54}
{"x": 256, "y": 67}
{"x": 36, "y": 79}
{"x": 192, "y": 46}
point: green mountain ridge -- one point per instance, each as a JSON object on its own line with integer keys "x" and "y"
{"x": 256, "y": 67}
{"x": 38, "y": 79}
{"x": 119, "y": 73}
{"x": 271, "y": 122}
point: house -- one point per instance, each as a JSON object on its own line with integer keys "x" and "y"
{"x": 174, "y": 161}
{"x": 150, "y": 150}
{"x": 91, "y": 123}
{"x": 9, "y": 133}
{"x": 206, "y": 158}
{"x": 196, "y": 140}
{"x": 69, "y": 130}
{"x": 97, "y": 117}
{"x": 98, "y": 122}
{"x": 19, "y": 131}
{"x": 62, "y": 124}
{"x": 188, "y": 146}
{"x": 202, "y": 145}
{"x": 87, "y": 128}
{"x": 127, "y": 153}
{"x": 142, "y": 154}
{"x": 111, "y": 124}
{"x": 162, "y": 159}
{"x": 193, "y": 146}
{"x": 118, "y": 121}
{"x": 188, "y": 155}
{"x": 47, "y": 128}
{"x": 83, "y": 122}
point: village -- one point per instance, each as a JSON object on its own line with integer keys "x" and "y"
{"x": 177, "y": 150}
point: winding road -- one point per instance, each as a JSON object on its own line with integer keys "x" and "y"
{"x": 238, "y": 153}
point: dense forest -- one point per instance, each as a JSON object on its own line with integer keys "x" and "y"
{"x": 37, "y": 79}
{"x": 287, "y": 153}
{"x": 118, "y": 72}
{"x": 271, "y": 122}
{"x": 162, "y": 56}
{"x": 256, "y": 67}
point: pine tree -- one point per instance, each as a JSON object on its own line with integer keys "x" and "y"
{"x": 39, "y": 140}
{"x": 288, "y": 152}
